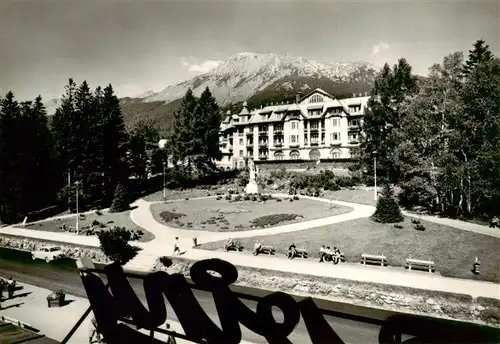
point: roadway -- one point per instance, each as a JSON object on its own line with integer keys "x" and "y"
{"x": 49, "y": 277}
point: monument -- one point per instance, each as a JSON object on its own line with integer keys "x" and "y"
{"x": 252, "y": 186}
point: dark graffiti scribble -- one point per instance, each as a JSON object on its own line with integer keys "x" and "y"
{"x": 216, "y": 276}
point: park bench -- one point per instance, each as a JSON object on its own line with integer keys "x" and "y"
{"x": 267, "y": 249}
{"x": 233, "y": 247}
{"x": 373, "y": 259}
{"x": 419, "y": 264}
{"x": 301, "y": 253}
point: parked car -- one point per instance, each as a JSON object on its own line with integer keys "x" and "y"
{"x": 48, "y": 253}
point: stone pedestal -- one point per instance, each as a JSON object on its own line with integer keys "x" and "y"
{"x": 252, "y": 188}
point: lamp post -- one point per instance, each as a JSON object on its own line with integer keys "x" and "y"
{"x": 77, "y": 228}
{"x": 375, "y": 196}
{"x": 164, "y": 191}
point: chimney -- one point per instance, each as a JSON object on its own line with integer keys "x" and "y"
{"x": 298, "y": 95}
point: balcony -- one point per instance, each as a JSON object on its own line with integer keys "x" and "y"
{"x": 263, "y": 132}
{"x": 353, "y": 142}
{"x": 314, "y": 142}
{"x": 249, "y": 144}
{"x": 278, "y": 131}
{"x": 249, "y": 133}
{"x": 294, "y": 144}
{"x": 263, "y": 157}
{"x": 277, "y": 144}
{"x": 336, "y": 143}
{"x": 353, "y": 127}
{"x": 263, "y": 144}
{"x": 314, "y": 129}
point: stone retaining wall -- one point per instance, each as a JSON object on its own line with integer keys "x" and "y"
{"x": 71, "y": 251}
{"x": 393, "y": 298}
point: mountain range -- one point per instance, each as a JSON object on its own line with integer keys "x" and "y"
{"x": 252, "y": 77}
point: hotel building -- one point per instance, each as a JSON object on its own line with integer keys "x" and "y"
{"x": 316, "y": 126}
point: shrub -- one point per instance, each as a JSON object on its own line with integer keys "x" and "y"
{"x": 95, "y": 223}
{"x": 296, "y": 197}
{"x": 419, "y": 227}
{"x": 417, "y": 192}
{"x": 246, "y": 197}
{"x": 398, "y": 226}
{"x": 98, "y": 212}
{"x": 219, "y": 198}
{"x": 166, "y": 261}
{"x": 120, "y": 200}
{"x": 114, "y": 244}
{"x": 168, "y": 216}
{"x": 238, "y": 198}
{"x": 387, "y": 209}
{"x": 278, "y": 199}
{"x": 228, "y": 197}
{"x": 271, "y": 220}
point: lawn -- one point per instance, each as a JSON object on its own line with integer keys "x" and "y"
{"x": 109, "y": 220}
{"x": 187, "y": 193}
{"x": 452, "y": 250}
{"x": 224, "y": 216}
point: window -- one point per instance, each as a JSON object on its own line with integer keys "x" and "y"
{"x": 335, "y": 122}
{"x": 314, "y": 125}
{"x": 316, "y": 99}
{"x": 241, "y": 142}
{"x": 278, "y": 155}
{"x": 353, "y": 136}
{"x": 294, "y": 155}
{"x": 278, "y": 127}
{"x": 240, "y": 132}
{"x": 335, "y": 154}
{"x": 241, "y": 152}
{"x": 336, "y": 110}
{"x": 294, "y": 125}
{"x": 335, "y": 136}
{"x": 294, "y": 138}
{"x": 354, "y": 122}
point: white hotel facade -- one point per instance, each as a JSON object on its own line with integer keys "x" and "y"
{"x": 316, "y": 126}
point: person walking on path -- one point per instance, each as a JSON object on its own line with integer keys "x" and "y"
{"x": 11, "y": 287}
{"x": 177, "y": 250}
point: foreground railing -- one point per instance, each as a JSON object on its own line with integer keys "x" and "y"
{"x": 115, "y": 311}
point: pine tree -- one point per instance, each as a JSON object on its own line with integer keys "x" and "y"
{"x": 11, "y": 162}
{"x": 480, "y": 53}
{"x": 387, "y": 208}
{"x": 114, "y": 141}
{"x": 120, "y": 199}
{"x": 115, "y": 245}
{"x": 382, "y": 118}
{"x": 181, "y": 140}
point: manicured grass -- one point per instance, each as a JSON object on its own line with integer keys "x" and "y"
{"x": 187, "y": 193}
{"x": 355, "y": 195}
{"x": 109, "y": 220}
{"x": 452, "y": 250}
{"x": 221, "y": 215}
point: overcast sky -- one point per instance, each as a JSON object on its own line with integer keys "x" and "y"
{"x": 139, "y": 46}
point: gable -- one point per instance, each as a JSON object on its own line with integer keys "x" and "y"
{"x": 316, "y": 96}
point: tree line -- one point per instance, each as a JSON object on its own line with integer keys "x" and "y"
{"x": 85, "y": 146}
{"x": 438, "y": 138}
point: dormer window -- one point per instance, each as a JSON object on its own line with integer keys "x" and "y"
{"x": 316, "y": 98}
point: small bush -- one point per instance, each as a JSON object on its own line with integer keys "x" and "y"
{"x": 271, "y": 220}
{"x": 419, "y": 227}
{"x": 168, "y": 216}
{"x": 95, "y": 223}
{"x": 186, "y": 199}
{"x": 114, "y": 244}
{"x": 387, "y": 209}
{"x": 296, "y": 198}
{"x": 246, "y": 197}
{"x": 278, "y": 200}
{"x": 228, "y": 197}
{"x": 219, "y": 198}
{"x": 166, "y": 261}
{"x": 238, "y": 198}
{"x": 120, "y": 200}
{"x": 398, "y": 226}
{"x": 98, "y": 212}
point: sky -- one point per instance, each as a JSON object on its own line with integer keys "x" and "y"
{"x": 147, "y": 45}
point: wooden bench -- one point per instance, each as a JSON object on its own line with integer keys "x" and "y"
{"x": 373, "y": 259}
{"x": 301, "y": 253}
{"x": 267, "y": 249}
{"x": 233, "y": 247}
{"x": 419, "y": 264}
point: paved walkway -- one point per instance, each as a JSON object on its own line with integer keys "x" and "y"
{"x": 356, "y": 272}
{"x": 29, "y": 306}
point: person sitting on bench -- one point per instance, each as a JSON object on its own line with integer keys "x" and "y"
{"x": 292, "y": 251}
{"x": 335, "y": 256}
{"x": 229, "y": 244}
{"x": 322, "y": 253}
{"x": 257, "y": 247}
